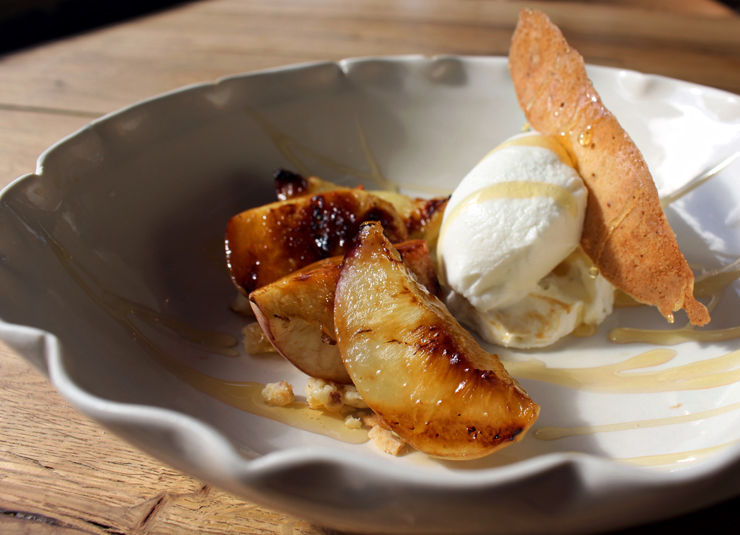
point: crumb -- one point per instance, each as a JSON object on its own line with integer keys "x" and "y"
{"x": 278, "y": 394}
{"x": 330, "y": 396}
{"x": 241, "y": 306}
{"x": 382, "y": 435}
{"x": 351, "y": 397}
{"x": 321, "y": 394}
{"x": 255, "y": 341}
{"x": 386, "y": 440}
{"x": 352, "y": 422}
{"x": 373, "y": 420}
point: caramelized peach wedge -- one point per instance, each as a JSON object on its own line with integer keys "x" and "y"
{"x": 415, "y": 366}
{"x": 296, "y": 313}
{"x": 313, "y": 220}
{"x": 422, "y": 217}
{"x": 268, "y": 242}
{"x": 428, "y": 382}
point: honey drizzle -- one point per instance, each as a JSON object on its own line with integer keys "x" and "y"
{"x": 694, "y": 183}
{"x": 245, "y": 396}
{"x": 674, "y": 458}
{"x": 687, "y": 333}
{"x": 711, "y": 284}
{"x": 514, "y": 189}
{"x": 584, "y": 330}
{"x": 611, "y": 378}
{"x": 517, "y": 189}
{"x": 291, "y": 149}
{"x": 556, "y": 433}
{"x": 535, "y": 140}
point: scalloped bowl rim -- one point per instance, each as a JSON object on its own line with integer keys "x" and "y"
{"x": 44, "y": 350}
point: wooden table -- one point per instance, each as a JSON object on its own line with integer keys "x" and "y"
{"x": 62, "y": 474}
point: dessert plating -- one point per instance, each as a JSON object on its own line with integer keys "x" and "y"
{"x": 625, "y": 232}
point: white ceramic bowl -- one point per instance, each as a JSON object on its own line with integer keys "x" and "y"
{"x": 111, "y": 267}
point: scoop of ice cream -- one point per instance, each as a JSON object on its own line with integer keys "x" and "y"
{"x": 513, "y": 219}
{"x": 569, "y": 298}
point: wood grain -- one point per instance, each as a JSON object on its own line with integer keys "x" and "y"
{"x": 203, "y": 41}
{"x": 25, "y": 134}
{"x": 60, "y": 473}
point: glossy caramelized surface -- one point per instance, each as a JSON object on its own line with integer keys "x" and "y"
{"x": 422, "y": 216}
{"x": 296, "y": 312}
{"x": 415, "y": 366}
{"x": 271, "y": 241}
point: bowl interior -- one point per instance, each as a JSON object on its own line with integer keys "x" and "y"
{"x": 115, "y": 246}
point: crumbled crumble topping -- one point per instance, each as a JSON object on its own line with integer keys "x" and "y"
{"x": 353, "y": 423}
{"x": 386, "y": 440}
{"x": 373, "y": 420}
{"x": 278, "y": 394}
{"x": 330, "y": 396}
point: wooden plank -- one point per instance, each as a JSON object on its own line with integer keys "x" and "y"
{"x": 110, "y": 68}
{"x": 73, "y": 477}
{"x": 24, "y": 135}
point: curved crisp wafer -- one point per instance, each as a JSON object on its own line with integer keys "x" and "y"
{"x": 625, "y": 232}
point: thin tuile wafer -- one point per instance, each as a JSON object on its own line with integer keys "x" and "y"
{"x": 625, "y": 232}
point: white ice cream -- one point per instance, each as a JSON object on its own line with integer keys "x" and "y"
{"x": 508, "y": 248}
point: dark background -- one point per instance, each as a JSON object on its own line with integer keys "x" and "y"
{"x": 25, "y": 23}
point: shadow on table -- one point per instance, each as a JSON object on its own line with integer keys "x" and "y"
{"x": 734, "y": 4}
{"x": 724, "y": 520}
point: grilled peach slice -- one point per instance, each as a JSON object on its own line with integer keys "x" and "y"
{"x": 296, "y": 313}
{"x": 423, "y": 217}
{"x": 413, "y": 363}
{"x": 268, "y": 242}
